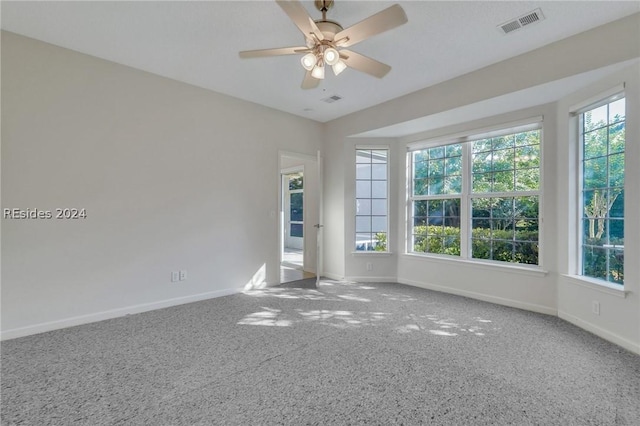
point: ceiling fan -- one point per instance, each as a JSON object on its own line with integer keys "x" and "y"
{"x": 325, "y": 41}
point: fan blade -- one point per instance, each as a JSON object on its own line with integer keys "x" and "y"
{"x": 298, "y": 14}
{"x": 362, "y": 63}
{"x": 274, "y": 52}
{"x": 386, "y": 20}
{"x": 309, "y": 82}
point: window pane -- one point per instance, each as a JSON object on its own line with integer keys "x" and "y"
{"x": 616, "y": 199}
{"x": 616, "y": 138}
{"x": 363, "y": 206}
{"x": 421, "y": 187}
{"x": 363, "y": 223}
{"x": 453, "y": 185}
{"x": 296, "y": 208}
{"x": 502, "y": 250}
{"x": 436, "y": 186}
{"x": 503, "y": 159}
{"x": 379, "y": 224}
{"x": 617, "y": 111}
{"x": 481, "y": 145}
{"x": 363, "y": 189}
{"x": 527, "y": 157}
{"x": 503, "y": 181}
{"x": 527, "y": 179}
{"x": 363, "y": 156}
{"x": 436, "y": 152}
{"x": 616, "y": 266}
{"x": 482, "y": 162}
{"x": 379, "y": 189}
{"x": 481, "y": 248}
{"x": 454, "y": 150}
{"x": 616, "y": 170}
{"x": 379, "y": 156}
{"x": 482, "y": 182}
{"x": 502, "y": 142}
{"x": 379, "y": 207}
{"x": 595, "y": 173}
{"x": 363, "y": 171}
{"x": 595, "y": 118}
{"x": 297, "y": 230}
{"x": 364, "y": 241}
{"x": 526, "y": 253}
{"x": 436, "y": 168}
{"x": 295, "y": 182}
{"x": 595, "y": 143}
{"x": 379, "y": 171}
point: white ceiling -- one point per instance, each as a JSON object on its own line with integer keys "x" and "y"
{"x": 198, "y": 43}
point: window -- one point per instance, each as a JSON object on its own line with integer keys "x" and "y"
{"x": 371, "y": 199}
{"x": 437, "y": 189}
{"x": 478, "y": 199}
{"x": 602, "y": 147}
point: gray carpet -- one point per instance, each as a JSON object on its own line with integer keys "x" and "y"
{"x": 345, "y": 354}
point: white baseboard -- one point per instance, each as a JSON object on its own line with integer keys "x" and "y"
{"x": 487, "y": 298}
{"x": 372, "y": 279}
{"x": 114, "y": 313}
{"x": 600, "y": 332}
{"x": 332, "y": 276}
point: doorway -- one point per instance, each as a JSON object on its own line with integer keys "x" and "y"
{"x": 299, "y": 195}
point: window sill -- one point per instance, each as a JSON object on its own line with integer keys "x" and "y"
{"x": 597, "y": 285}
{"x": 509, "y": 268}
{"x": 371, "y": 253}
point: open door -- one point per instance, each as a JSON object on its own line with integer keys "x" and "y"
{"x": 319, "y": 225}
{"x": 299, "y": 213}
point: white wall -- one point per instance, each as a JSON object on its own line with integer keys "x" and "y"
{"x": 544, "y": 290}
{"x": 171, "y": 176}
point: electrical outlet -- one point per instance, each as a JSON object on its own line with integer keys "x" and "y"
{"x": 183, "y": 275}
{"x": 595, "y": 307}
{"x": 174, "y": 276}
{"x": 369, "y": 266}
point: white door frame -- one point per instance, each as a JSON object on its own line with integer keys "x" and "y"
{"x": 308, "y": 218}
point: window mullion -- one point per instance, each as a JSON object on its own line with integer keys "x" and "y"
{"x": 465, "y": 203}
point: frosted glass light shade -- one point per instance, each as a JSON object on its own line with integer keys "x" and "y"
{"x": 338, "y": 67}
{"x": 331, "y": 56}
{"x": 318, "y": 72}
{"x": 308, "y": 61}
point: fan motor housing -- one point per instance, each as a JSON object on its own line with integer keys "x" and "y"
{"x": 329, "y": 28}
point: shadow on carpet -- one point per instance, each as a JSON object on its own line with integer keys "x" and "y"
{"x": 305, "y": 283}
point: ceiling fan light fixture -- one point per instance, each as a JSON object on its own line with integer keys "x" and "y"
{"x": 338, "y": 67}
{"x": 308, "y": 61}
{"x": 331, "y": 56}
{"x": 318, "y": 72}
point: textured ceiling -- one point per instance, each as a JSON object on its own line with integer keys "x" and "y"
{"x": 198, "y": 43}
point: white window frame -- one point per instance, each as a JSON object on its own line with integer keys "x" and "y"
{"x": 355, "y": 198}
{"x": 466, "y": 195}
{"x": 577, "y": 112}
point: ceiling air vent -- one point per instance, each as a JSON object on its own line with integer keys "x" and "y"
{"x": 331, "y": 99}
{"x": 521, "y": 21}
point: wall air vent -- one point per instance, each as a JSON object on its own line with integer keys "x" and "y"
{"x": 521, "y": 21}
{"x": 331, "y": 99}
